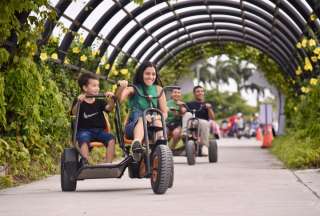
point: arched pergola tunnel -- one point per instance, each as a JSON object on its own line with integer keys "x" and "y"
{"x": 158, "y": 30}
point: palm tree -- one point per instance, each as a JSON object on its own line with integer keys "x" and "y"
{"x": 254, "y": 87}
{"x": 222, "y": 71}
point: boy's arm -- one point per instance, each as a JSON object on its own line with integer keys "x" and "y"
{"x": 81, "y": 97}
{"x": 110, "y": 103}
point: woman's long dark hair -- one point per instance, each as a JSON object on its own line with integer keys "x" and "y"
{"x": 138, "y": 77}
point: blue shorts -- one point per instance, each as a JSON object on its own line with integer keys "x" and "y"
{"x": 93, "y": 134}
{"x": 132, "y": 121}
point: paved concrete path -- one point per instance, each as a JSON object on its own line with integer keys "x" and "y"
{"x": 246, "y": 181}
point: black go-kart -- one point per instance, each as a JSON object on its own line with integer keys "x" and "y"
{"x": 193, "y": 148}
{"x": 157, "y": 157}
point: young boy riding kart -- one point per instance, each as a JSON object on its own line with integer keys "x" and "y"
{"x": 91, "y": 123}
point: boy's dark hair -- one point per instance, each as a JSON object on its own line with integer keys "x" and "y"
{"x": 196, "y": 87}
{"x": 175, "y": 88}
{"x": 138, "y": 77}
{"x": 84, "y": 79}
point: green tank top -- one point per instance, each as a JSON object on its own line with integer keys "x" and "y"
{"x": 137, "y": 103}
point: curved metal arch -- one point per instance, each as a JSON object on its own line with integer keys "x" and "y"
{"x": 235, "y": 5}
{"x": 176, "y": 6}
{"x": 60, "y": 7}
{"x": 279, "y": 46}
{"x": 232, "y": 20}
{"x": 98, "y": 26}
{"x": 200, "y": 40}
{"x": 75, "y": 26}
{"x": 315, "y": 5}
{"x": 238, "y": 29}
{"x": 215, "y": 1}
{"x": 123, "y": 22}
{"x": 226, "y": 34}
{"x": 186, "y": 14}
{"x": 301, "y": 7}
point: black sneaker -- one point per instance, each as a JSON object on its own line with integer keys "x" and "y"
{"x": 137, "y": 150}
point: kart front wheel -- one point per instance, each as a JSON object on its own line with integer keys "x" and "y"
{"x": 162, "y": 169}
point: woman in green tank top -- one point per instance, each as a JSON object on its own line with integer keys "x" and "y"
{"x": 148, "y": 83}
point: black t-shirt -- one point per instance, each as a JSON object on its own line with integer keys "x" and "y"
{"x": 203, "y": 113}
{"x": 91, "y": 115}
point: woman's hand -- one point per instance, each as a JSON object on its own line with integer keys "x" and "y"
{"x": 123, "y": 83}
{"x": 149, "y": 118}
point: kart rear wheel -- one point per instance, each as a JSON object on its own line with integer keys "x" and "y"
{"x": 69, "y": 167}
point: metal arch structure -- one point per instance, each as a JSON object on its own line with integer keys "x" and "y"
{"x": 284, "y": 52}
{"x": 223, "y": 39}
{"x": 286, "y": 21}
{"x": 287, "y": 39}
{"x": 200, "y": 12}
{"x": 225, "y": 11}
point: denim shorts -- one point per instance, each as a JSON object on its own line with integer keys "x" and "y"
{"x": 132, "y": 121}
{"x": 93, "y": 134}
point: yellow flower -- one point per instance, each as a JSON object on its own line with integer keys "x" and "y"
{"x": 54, "y": 56}
{"x": 94, "y": 53}
{"x": 54, "y": 39}
{"x": 103, "y": 60}
{"x": 312, "y": 43}
{"x": 316, "y": 51}
{"x": 304, "y": 43}
{"x": 307, "y": 65}
{"x": 66, "y": 61}
{"x": 75, "y": 50}
{"x": 124, "y": 71}
{"x": 81, "y": 39}
{"x": 298, "y": 71}
{"x": 313, "y": 81}
{"x": 114, "y": 88}
{"x": 313, "y": 17}
{"x": 98, "y": 70}
{"x": 314, "y": 58}
{"x": 299, "y": 45}
{"x": 107, "y": 66}
{"x": 305, "y": 89}
{"x": 115, "y": 72}
{"x": 83, "y": 58}
{"x": 295, "y": 109}
{"x": 43, "y": 56}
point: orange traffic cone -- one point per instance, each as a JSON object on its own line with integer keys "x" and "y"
{"x": 258, "y": 134}
{"x": 267, "y": 136}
